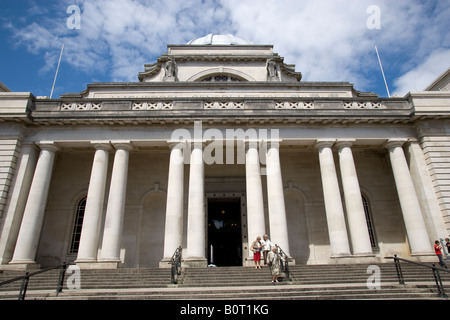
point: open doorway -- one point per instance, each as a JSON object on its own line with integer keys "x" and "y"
{"x": 224, "y": 232}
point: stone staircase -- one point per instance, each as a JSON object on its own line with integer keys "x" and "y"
{"x": 234, "y": 283}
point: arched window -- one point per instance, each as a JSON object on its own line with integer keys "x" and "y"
{"x": 78, "y": 224}
{"x": 369, "y": 220}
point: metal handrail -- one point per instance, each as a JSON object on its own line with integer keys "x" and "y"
{"x": 176, "y": 265}
{"x": 284, "y": 266}
{"x": 436, "y": 274}
{"x": 26, "y": 279}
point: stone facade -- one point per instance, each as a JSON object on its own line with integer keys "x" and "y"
{"x": 121, "y": 174}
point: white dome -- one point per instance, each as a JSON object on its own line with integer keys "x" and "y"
{"x": 219, "y": 39}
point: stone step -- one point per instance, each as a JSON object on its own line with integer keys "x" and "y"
{"x": 308, "y": 282}
{"x": 260, "y": 293}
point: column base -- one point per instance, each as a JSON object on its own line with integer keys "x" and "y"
{"x": 423, "y": 257}
{"x": 194, "y": 262}
{"x": 89, "y": 265}
{"x": 354, "y": 259}
{"x": 104, "y": 264}
{"x": 165, "y": 263}
{"x": 21, "y": 265}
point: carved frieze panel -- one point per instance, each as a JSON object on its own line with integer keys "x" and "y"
{"x": 294, "y": 105}
{"x": 223, "y": 105}
{"x": 80, "y": 106}
{"x": 362, "y": 105}
{"x": 166, "y": 105}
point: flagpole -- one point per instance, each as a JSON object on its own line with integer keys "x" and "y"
{"x": 385, "y": 83}
{"x": 56, "y": 74}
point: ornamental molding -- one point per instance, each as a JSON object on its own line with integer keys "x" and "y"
{"x": 152, "y": 105}
{"x": 232, "y": 104}
{"x": 81, "y": 106}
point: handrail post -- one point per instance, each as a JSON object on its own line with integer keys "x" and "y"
{"x": 439, "y": 285}
{"x": 398, "y": 268}
{"x": 176, "y": 265}
{"x": 62, "y": 274}
{"x": 23, "y": 288}
{"x": 284, "y": 266}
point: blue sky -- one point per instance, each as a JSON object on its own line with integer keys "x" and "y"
{"x": 327, "y": 40}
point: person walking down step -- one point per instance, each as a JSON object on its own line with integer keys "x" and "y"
{"x": 438, "y": 250}
{"x": 274, "y": 263}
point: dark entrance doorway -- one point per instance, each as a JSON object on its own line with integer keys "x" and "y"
{"x": 224, "y": 232}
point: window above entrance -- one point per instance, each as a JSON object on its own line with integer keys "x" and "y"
{"x": 221, "y": 78}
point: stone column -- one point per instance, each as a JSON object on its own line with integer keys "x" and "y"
{"x": 173, "y": 235}
{"x": 18, "y": 194}
{"x": 275, "y": 198}
{"x": 33, "y": 217}
{"x": 112, "y": 235}
{"x": 196, "y": 228}
{"x": 333, "y": 204}
{"x": 256, "y": 224}
{"x": 356, "y": 216}
{"x": 425, "y": 191}
{"x": 412, "y": 215}
{"x": 92, "y": 220}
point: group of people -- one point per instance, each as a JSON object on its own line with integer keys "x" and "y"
{"x": 270, "y": 255}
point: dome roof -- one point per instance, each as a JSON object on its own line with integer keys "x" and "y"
{"x": 219, "y": 39}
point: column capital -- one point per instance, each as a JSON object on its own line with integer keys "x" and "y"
{"x": 177, "y": 144}
{"x": 344, "y": 143}
{"x": 267, "y": 144}
{"x": 49, "y": 145}
{"x": 102, "y": 145}
{"x": 124, "y": 145}
{"x": 324, "y": 143}
{"x": 272, "y": 143}
{"x": 393, "y": 143}
{"x": 251, "y": 143}
{"x": 197, "y": 143}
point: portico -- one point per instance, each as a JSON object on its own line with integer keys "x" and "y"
{"x": 264, "y": 194}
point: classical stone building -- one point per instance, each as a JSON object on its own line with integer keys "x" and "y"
{"x": 220, "y": 141}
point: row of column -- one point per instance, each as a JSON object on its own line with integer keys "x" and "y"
{"x": 196, "y": 237}
{"x": 359, "y": 236}
{"x": 336, "y": 220}
{"x": 31, "y": 226}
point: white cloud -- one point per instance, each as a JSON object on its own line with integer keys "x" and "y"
{"x": 119, "y": 36}
{"x": 328, "y": 40}
{"x": 424, "y": 74}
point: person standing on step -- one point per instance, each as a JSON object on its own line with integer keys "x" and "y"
{"x": 257, "y": 248}
{"x": 437, "y": 249}
{"x": 267, "y": 247}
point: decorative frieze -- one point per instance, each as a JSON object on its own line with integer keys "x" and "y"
{"x": 294, "y": 105}
{"x": 224, "y": 105}
{"x": 291, "y": 104}
{"x": 80, "y": 106}
{"x": 362, "y": 105}
{"x": 161, "y": 105}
